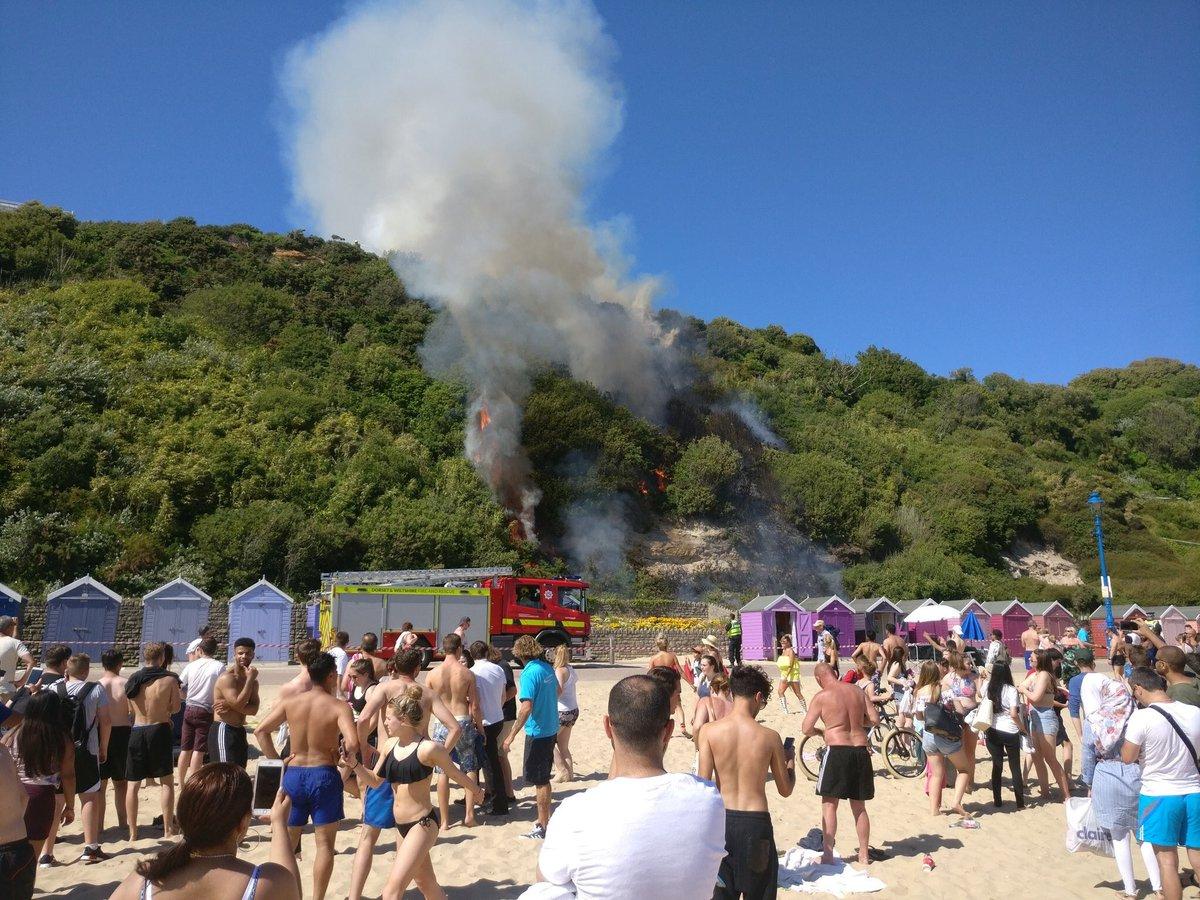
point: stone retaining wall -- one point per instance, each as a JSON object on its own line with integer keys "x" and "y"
{"x": 631, "y": 643}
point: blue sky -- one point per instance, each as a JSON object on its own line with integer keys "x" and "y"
{"x": 1011, "y": 187}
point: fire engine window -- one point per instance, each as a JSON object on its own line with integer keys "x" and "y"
{"x": 527, "y": 595}
{"x": 570, "y": 598}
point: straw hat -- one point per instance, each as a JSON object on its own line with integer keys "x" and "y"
{"x": 710, "y": 642}
{"x": 820, "y": 623}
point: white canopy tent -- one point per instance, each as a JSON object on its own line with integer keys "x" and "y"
{"x": 939, "y": 612}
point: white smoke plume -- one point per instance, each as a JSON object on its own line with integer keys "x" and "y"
{"x": 458, "y": 137}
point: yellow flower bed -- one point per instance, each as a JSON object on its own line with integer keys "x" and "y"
{"x": 657, "y": 623}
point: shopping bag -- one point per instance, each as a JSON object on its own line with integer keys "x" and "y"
{"x": 983, "y": 718}
{"x": 1083, "y": 834}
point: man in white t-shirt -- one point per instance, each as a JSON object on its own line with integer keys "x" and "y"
{"x": 1163, "y": 736}
{"x": 341, "y": 658}
{"x": 193, "y": 649}
{"x": 12, "y": 652}
{"x": 197, "y": 681}
{"x": 492, "y": 690}
{"x": 644, "y": 832}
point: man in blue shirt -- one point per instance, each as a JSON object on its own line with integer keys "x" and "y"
{"x": 538, "y": 713}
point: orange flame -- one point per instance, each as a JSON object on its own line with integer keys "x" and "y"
{"x": 661, "y": 476}
{"x": 642, "y": 489}
{"x": 485, "y": 418}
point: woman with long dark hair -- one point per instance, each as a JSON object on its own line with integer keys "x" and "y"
{"x": 214, "y": 815}
{"x": 1004, "y": 735}
{"x": 45, "y": 758}
{"x": 1039, "y": 689}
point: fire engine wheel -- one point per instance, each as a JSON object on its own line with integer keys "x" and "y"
{"x": 552, "y": 638}
{"x": 426, "y": 657}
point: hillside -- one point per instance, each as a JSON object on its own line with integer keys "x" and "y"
{"x": 225, "y": 403}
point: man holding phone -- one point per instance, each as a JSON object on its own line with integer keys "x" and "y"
{"x": 739, "y": 753}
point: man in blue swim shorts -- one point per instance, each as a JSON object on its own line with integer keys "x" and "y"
{"x": 1163, "y": 736}
{"x": 316, "y": 720}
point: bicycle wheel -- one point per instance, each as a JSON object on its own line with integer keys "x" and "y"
{"x": 809, "y": 755}
{"x": 902, "y": 753}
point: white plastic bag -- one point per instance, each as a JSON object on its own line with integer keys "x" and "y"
{"x": 1083, "y": 834}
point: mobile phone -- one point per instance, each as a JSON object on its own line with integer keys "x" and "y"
{"x": 266, "y": 785}
{"x": 788, "y": 743}
{"x": 1130, "y": 625}
{"x": 35, "y": 675}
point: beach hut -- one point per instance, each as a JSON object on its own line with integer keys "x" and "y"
{"x": 1011, "y": 617}
{"x": 11, "y": 602}
{"x": 873, "y": 614}
{"x": 1054, "y": 617}
{"x": 1098, "y": 621}
{"x": 263, "y": 613}
{"x": 82, "y": 615}
{"x": 1172, "y": 620}
{"x": 173, "y": 614}
{"x": 834, "y": 612}
{"x": 766, "y": 617}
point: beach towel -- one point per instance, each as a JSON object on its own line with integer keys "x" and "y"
{"x": 801, "y": 870}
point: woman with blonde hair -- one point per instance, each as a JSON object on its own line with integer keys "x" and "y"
{"x": 568, "y": 711}
{"x": 406, "y": 762}
{"x": 941, "y": 737}
{"x": 789, "y": 674}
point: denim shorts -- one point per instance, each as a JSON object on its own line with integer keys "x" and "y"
{"x": 1043, "y": 721}
{"x": 935, "y": 743}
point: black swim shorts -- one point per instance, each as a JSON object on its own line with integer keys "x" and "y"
{"x": 847, "y": 773}
{"x": 150, "y": 752}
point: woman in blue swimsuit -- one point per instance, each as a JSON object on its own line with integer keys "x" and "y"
{"x": 406, "y": 763}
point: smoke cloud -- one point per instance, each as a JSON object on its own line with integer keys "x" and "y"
{"x": 458, "y": 138}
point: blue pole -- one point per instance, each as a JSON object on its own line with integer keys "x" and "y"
{"x": 1105, "y": 584}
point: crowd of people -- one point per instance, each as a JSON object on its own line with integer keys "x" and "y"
{"x": 353, "y": 722}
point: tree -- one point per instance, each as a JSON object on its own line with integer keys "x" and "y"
{"x": 701, "y": 477}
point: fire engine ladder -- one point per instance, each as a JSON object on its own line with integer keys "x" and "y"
{"x": 412, "y": 577}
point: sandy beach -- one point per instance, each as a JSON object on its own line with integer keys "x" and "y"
{"x": 1011, "y": 852}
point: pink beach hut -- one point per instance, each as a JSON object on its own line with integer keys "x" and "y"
{"x": 873, "y": 614}
{"x": 1173, "y": 622}
{"x": 766, "y": 617}
{"x": 835, "y": 612}
{"x": 1011, "y": 617}
{"x": 1054, "y": 617}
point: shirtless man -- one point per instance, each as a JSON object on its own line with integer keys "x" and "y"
{"x": 315, "y": 719}
{"x": 113, "y": 767}
{"x": 740, "y": 752}
{"x": 454, "y": 683}
{"x": 235, "y": 696}
{"x": 1030, "y": 641}
{"x": 155, "y": 695}
{"x": 377, "y": 802}
{"x": 368, "y": 648}
{"x": 869, "y": 650}
{"x": 892, "y": 640}
{"x": 846, "y": 771}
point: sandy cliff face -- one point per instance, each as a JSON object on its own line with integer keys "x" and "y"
{"x": 1037, "y": 561}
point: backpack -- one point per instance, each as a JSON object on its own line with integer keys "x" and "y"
{"x": 836, "y": 634}
{"x": 1003, "y": 657}
{"x": 74, "y": 712}
{"x": 1070, "y": 668}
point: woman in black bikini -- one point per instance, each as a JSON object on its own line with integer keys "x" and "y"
{"x": 406, "y": 762}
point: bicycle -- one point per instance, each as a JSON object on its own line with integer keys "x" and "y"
{"x": 900, "y": 747}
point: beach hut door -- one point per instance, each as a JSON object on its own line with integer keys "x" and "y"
{"x": 783, "y": 625}
{"x": 82, "y": 625}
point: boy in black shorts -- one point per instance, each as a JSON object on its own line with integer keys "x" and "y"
{"x": 154, "y": 693}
